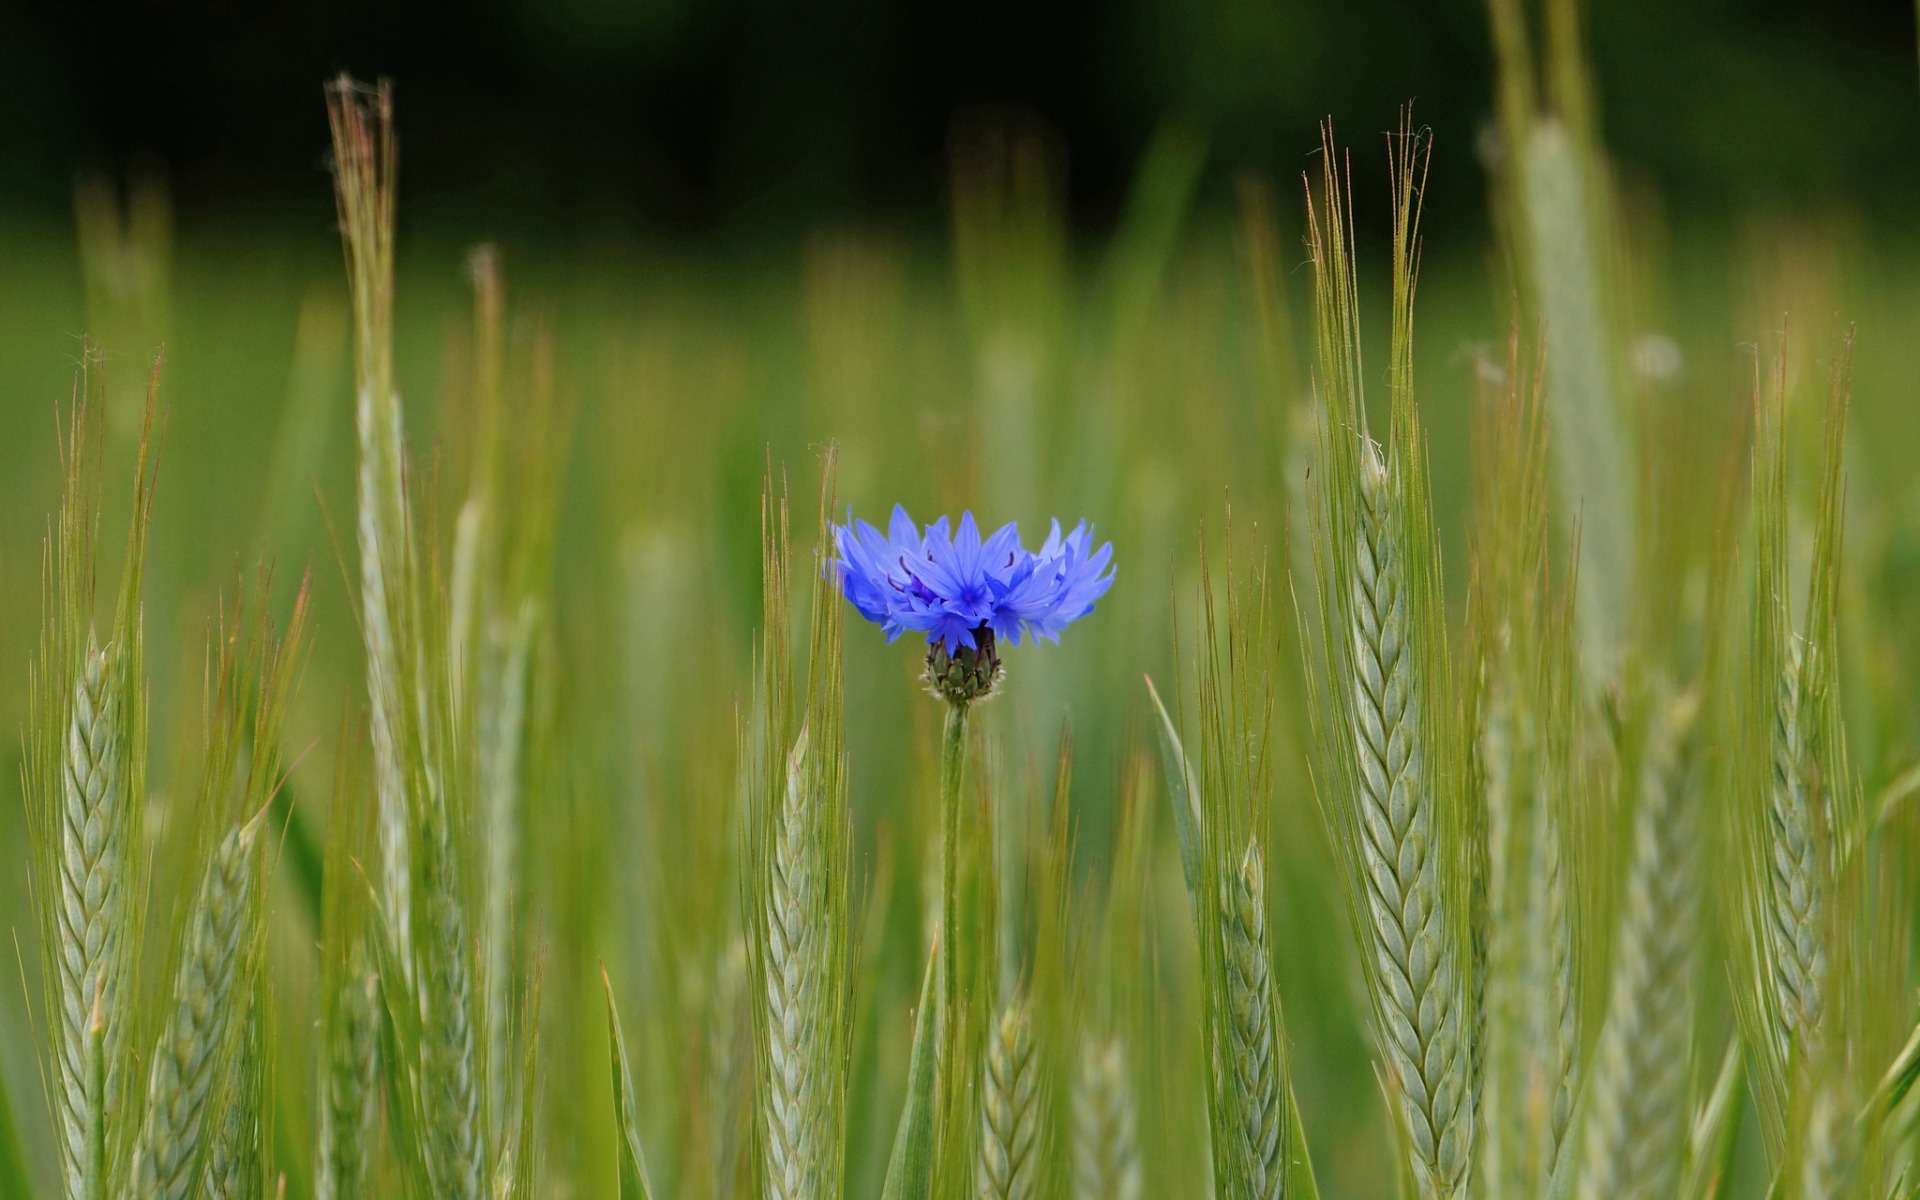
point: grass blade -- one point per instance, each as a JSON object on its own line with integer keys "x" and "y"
{"x": 633, "y": 1161}
{"x": 910, "y": 1166}
{"x": 1715, "y": 1129}
{"x": 13, "y": 1168}
{"x": 1182, "y": 788}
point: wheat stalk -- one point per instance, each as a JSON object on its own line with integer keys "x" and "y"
{"x": 502, "y": 723}
{"x": 1637, "y": 1118}
{"x": 1794, "y": 923}
{"x": 1253, "y": 1051}
{"x": 796, "y": 998}
{"x": 1106, "y": 1144}
{"x": 1562, "y": 1000}
{"x": 92, "y": 864}
{"x": 183, "y": 1089}
{"x": 1415, "y": 960}
{"x": 729, "y": 1069}
{"x": 1009, "y": 1165}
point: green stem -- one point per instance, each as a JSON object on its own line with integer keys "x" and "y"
{"x": 953, "y": 768}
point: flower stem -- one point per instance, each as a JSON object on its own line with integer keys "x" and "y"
{"x": 953, "y": 766}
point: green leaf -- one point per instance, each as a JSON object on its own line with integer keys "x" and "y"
{"x": 1184, "y": 791}
{"x": 13, "y": 1168}
{"x": 1715, "y": 1129}
{"x": 1900, "y": 1077}
{"x": 910, "y": 1167}
{"x": 1302, "y": 1184}
{"x": 633, "y": 1162}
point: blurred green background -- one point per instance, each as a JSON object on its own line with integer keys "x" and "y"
{"x": 562, "y": 117}
{"x": 1030, "y": 259}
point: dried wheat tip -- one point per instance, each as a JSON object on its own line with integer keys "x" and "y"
{"x": 1253, "y": 1049}
{"x": 91, "y": 868}
{"x": 1106, "y": 1141}
{"x": 796, "y": 996}
{"x": 968, "y": 593}
{"x": 199, "y": 1027}
{"x": 1796, "y": 916}
{"x": 1009, "y": 1110}
{"x": 1416, "y": 974}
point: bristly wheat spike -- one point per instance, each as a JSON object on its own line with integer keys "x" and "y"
{"x": 92, "y": 864}
{"x": 1415, "y": 964}
{"x": 348, "y": 1108}
{"x": 183, "y": 1088}
{"x": 450, "y": 1072}
{"x": 364, "y": 161}
{"x": 1636, "y": 1116}
{"x": 796, "y": 986}
{"x": 1106, "y": 1139}
{"x": 1253, "y": 1048}
{"x": 1009, "y": 1110}
{"x": 1794, "y": 932}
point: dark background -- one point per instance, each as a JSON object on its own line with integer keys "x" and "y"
{"x": 702, "y": 117}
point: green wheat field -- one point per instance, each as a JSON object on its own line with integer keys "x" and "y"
{"x": 449, "y": 768}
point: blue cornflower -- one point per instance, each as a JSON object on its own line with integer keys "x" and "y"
{"x": 966, "y": 592}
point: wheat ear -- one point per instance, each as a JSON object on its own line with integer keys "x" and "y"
{"x": 92, "y": 864}
{"x": 1009, "y": 1164}
{"x": 233, "y": 1161}
{"x": 1794, "y": 921}
{"x": 1253, "y": 1048}
{"x": 1415, "y": 960}
{"x": 796, "y": 987}
{"x": 348, "y": 1109}
{"x": 182, "y": 1090}
{"x": 1532, "y": 1044}
{"x": 364, "y": 164}
{"x": 450, "y": 1073}
{"x": 1106, "y": 1137}
{"x": 1593, "y": 464}
{"x": 1831, "y": 1149}
{"x": 1637, "y": 1117}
